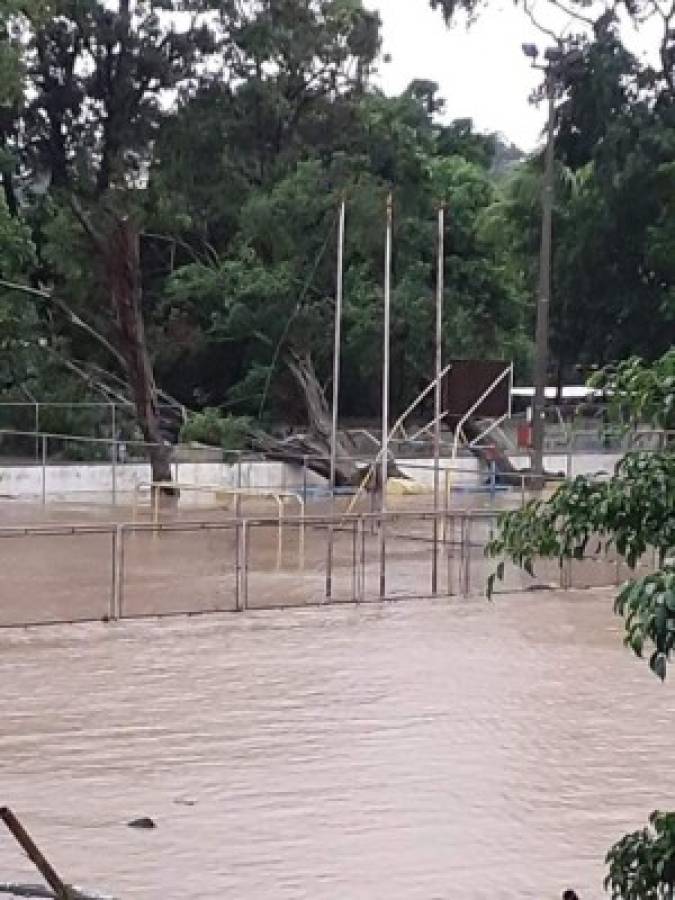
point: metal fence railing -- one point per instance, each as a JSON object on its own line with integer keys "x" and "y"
{"x": 111, "y": 474}
{"x": 78, "y": 573}
{"x": 113, "y": 421}
{"x": 110, "y": 467}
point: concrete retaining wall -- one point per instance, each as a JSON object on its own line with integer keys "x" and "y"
{"x": 79, "y": 481}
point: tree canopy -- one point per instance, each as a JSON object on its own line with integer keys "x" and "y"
{"x": 226, "y": 136}
{"x": 631, "y": 512}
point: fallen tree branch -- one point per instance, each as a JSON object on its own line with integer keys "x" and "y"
{"x": 79, "y": 322}
{"x": 72, "y": 316}
{"x": 313, "y": 447}
{"x": 59, "y": 889}
{"x": 17, "y": 889}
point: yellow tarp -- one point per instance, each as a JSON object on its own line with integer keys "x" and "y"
{"x": 403, "y": 487}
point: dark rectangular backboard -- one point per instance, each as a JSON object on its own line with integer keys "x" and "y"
{"x": 467, "y": 381}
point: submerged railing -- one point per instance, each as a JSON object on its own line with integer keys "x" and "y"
{"x": 76, "y": 573}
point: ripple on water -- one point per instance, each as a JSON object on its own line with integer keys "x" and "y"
{"x": 422, "y": 750}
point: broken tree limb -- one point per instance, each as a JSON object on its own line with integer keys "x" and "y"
{"x": 58, "y": 889}
{"x": 34, "y": 854}
{"x": 312, "y": 448}
{"x": 72, "y": 316}
{"x": 16, "y": 889}
{"x": 79, "y": 322}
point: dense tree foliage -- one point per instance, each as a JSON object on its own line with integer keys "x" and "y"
{"x": 225, "y": 136}
{"x": 633, "y": 512}
{"x": 642, "y": 864}
{"x": 613, "y": 288}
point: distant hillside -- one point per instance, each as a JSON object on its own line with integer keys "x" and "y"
{"x": 506, "y": 156}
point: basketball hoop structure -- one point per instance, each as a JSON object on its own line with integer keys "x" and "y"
{"x": 477, "y": 388}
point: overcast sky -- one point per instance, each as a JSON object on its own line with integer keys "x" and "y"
{"x": 481, "y": 71}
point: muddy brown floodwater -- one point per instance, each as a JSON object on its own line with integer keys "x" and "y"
{"x": 450, "y": 749}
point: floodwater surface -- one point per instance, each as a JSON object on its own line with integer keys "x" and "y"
{"x": 413, "y": 751}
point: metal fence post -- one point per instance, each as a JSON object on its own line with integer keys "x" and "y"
{"x": 461, "y": 575}
{"x": 354, "y": 561}
{"x": 243, "y": 593}
{"x": 328, "y": 587}
{"x": 566, "y": 575}
{"x": 447, "y": 474}
{"x": 449, "y": 553}
{"x": 362, "y": 561}
{"x": 383, "y": 555}
{"x": 44, "y": 468}
{"x": 37, "y": 432}
{"x": 237, "y": 564}
{"x": 114, "y": 473}
{"x": 113, "y": 428}
{"x": 116, "y": 572}
{"x": 121, "y": 531}
{"x": 237, "y": 499}
{"x": 467, "y": 570}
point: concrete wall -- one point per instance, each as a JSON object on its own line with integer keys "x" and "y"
{"x": 79, "y": 481}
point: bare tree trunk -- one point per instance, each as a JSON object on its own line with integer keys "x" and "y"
{"x": 313, "y": 447}
{"x": 123, "y": 273}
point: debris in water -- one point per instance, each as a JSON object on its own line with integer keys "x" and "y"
{"x": 143, "y": 822}
{"x": 37, "y": 890}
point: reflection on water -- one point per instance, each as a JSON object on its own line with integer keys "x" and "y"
{"x": 422, "y": 750}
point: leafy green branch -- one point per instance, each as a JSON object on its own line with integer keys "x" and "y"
{"x": 642, "y": 864}
{"x": 632, "y": 512}
{"x": 645, "y": 392}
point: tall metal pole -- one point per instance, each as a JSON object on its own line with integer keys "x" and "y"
{"x": 336, "y": 345}
{"x": 384, "y": 469}
{"x": 544, "y": 297}
{"x": 437, "y": 393}
{"x": 337, "y": 338}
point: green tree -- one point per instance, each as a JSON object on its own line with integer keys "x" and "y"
{"x": 269, "y": 289}
{"x": 613, "y": 222}
{"x": 642, "y": 864}
{"x": 20, "y": 327}
{"x": 633, "y": 512}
